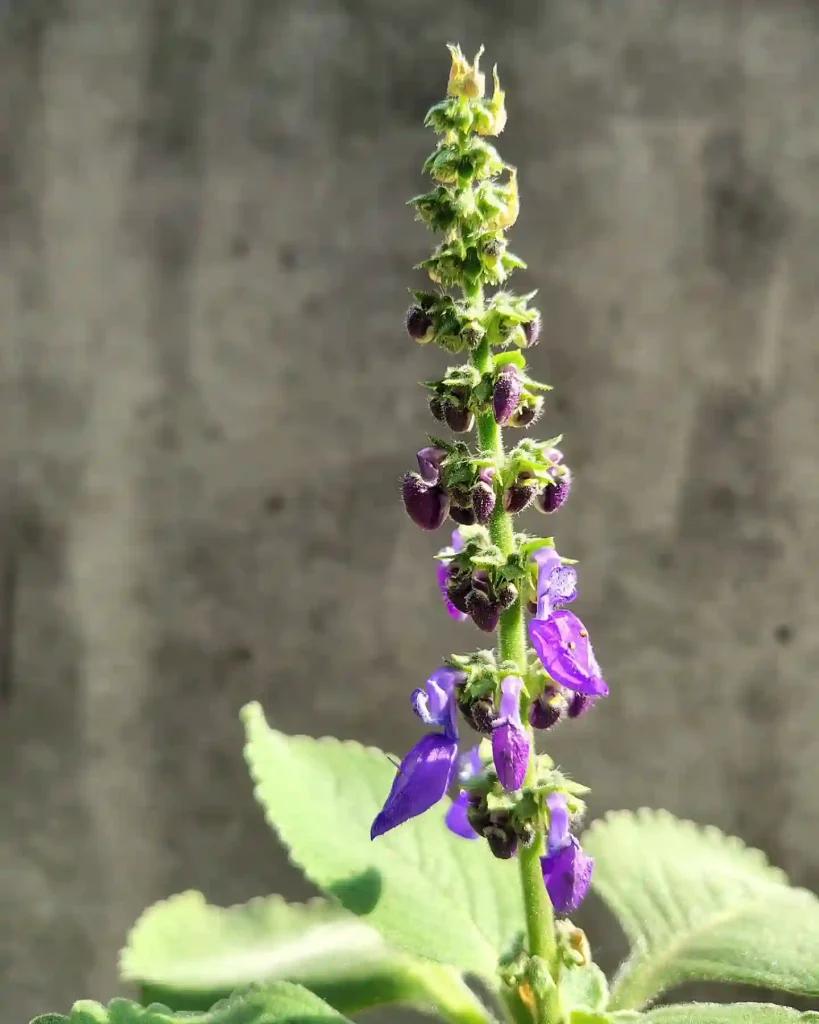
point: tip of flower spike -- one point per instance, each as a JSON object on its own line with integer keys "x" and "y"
{"x": 465, "y": 79}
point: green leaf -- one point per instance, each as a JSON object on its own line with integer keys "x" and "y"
{"x": 728, "y": 1013}
{"x": 426, "y": 890}
{"x": 188, "y": 954}
{"x": 699, "y": 905}
{"x": 281, "y": 1003}
{"x": 584, "y": 988}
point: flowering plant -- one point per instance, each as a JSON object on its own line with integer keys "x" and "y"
{"x": 451, "y": 864}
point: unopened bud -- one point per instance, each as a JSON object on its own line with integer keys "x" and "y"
{"x": 500, "y": 835}
{"x": 483, "y": 496}
{"x": 546, "y": 710}
{"x": 579, "y": 705}
{"x": 420, "y": 325}
{"x": 506, "y": 394}
{"x": 507, "y": 595}
{"x": 531, "y": 330}
{"x": 465, "y": 79}
{"x": 429, "y": 464}
{"x": 458, "y": 419}
{"x": 436, "y": 407}
{"x": 520, "y": 494}
{"x": 480, "y": 714}
{"x": 427, "y": 505}
{"x": 462, "y": 516}
{"x": 477, "y": 812}
{"x": 527, "y": 411}
{"x": 483, "y": 610}
{"x": 553, "y": 496}
{"x": 458, "y": 589}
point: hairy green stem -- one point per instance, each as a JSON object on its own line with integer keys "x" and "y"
{"x": 512, "y": 647}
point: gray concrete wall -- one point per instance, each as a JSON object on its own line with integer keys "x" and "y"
{"x": 206, "y": 400}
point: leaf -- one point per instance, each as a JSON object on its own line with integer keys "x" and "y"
{"x": 728, "y": 1013}
{"x": 425, "y": 890}
{"x": 699, "y": 905}
{"x": 584, "y": 988}
{"x": 188, "y": 954}
{"x": 280, "y": 1003}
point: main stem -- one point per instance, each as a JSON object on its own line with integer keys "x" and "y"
{"x": 512, "y": 647}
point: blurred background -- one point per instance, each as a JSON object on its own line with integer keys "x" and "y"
{"x": 207, "y": 399}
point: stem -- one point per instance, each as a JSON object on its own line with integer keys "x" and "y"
{"x": 449, "y": 995}
{"x": 512, "y": 647}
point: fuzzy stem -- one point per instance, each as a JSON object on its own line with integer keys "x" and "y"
{"x": 512, "y": 647}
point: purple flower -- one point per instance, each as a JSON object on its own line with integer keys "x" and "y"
{"x": 562, "y": 644}
{"x": 567, "y": 870}
{"x": 427, "y": 772}
{"x": 429, "y": 463}
{"x": 554, "y": 495}
{"x": 531, "y": 330}
{"x": 579, "y": 705}
{"x": 457, "y": 820}
{"x": 556, "y": 582}
{"x": 510, "y": 741}
{"x": 427, "y": 505}
{"x": 567, "y": 875}
{"x": 444, "y": 575}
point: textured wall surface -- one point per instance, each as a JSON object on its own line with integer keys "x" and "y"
{"x": 206, "y": 399}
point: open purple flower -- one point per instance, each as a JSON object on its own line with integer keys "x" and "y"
{"x": 562, "y": 644}
{"x": 457, "y": 821}
{"x": 443, "y": 575}
{"x": 567, "y": 870}
{"x": 510, "y": 741}
{"x": 559, "y": 637}
{"x": 426, "y": 773}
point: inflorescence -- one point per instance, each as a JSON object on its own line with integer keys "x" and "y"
{"x": 507, "y": 794}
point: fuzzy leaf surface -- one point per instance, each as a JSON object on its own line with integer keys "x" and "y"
{"x": 728, "y": 1013}
{"x": 425, "y": 890}
{"x": 699, "y": 905}
{"x": 280, "y": 1003}
{"x": 188, "y": 954}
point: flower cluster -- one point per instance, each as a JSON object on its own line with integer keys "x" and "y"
{"x": 506, "y": 793}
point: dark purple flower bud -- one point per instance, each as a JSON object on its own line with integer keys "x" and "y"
{"x": 520, "y": 494}
{"x": 527, "y": 412}
{"x": 579, "y": 705}
{"x": 463, "y": 516}
{"x": 546, "y": 709}
{"x": 562, "y": 644}
{"x": 510, "y": 741}
{"x": 427, "y": 505}
{"x": 506, "y": 394}
{"x": 477, "y": 812}
{"x": 567, "y": 876}
{"x": 419, "y": 325}
{"x": 458, "y": 419}
{"x": 480, "y": 713}
{"x": 423, "y": 778}
{"x": 507, "y": 595}
{"x": 429, "y": 464}
{"x": 501, "y": 837}
{"x": 445, "y": 578}
{"x": 531, "y": 330}
{"x": 484, "y": 611}
{"x": 436, "y": 407}
{"x": 554, "y": 495}
{"x": 483, "y": 496}
{"x": 458, "y": 589}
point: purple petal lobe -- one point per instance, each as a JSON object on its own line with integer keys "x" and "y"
{"x": 562, "y": 644}
{"x": 435, "y": 704}
{"x": 567, "y": 876}
{"x": 429, "y": 464}
{"x": 456, "y": 818}
{"x": 470, "y": 764}
{"x": 422, "y": 780}
{"x": 558, "y": 822}
{"x": 510, "y": 751}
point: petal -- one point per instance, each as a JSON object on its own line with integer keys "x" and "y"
{"x": 562, "y": 644}
{"x": 422, "y": 780}
{"x": 558, "y": 822}
{"x": 557, "y": 585}
{"x": 435, "y": 704}
{"x": 456, "y": 819}
{"x": 567, "y": 876}
{"x": 470, "y": 764}
{"x": 510, "y": 698}
{"x": 510, "y": 752}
